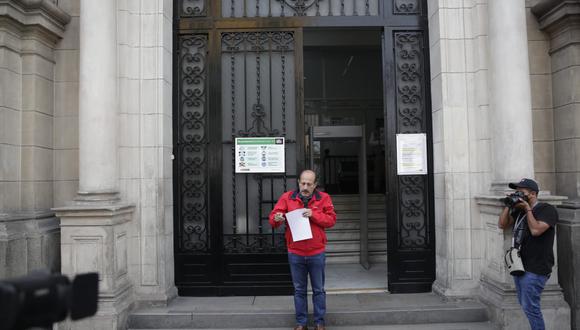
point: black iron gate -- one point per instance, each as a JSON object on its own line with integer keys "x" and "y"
{"x": 238, "y": 73}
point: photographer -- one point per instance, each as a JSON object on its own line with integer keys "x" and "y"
{"x": 533, "y": 226}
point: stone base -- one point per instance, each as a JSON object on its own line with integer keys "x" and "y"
{"x": 157, "y": 300}
{"x": 95, "y": 239}
{"x": 568, "y": 232}
{"x": 113, "y": 313}
{"x": 506, "y": 313}
{"x": 29, "y": 241}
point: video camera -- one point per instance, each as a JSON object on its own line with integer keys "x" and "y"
{"x": 513, "y": 198}
{"x": 41, "y": 299}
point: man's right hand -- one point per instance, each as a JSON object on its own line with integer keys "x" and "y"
{"x": 278, "y": 217}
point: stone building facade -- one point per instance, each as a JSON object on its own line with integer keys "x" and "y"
{"x": 86, "y": 144}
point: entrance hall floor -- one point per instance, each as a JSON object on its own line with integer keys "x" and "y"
{"x": 353, "y": 278}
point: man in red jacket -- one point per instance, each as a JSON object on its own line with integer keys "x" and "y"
{"x": 307, "y": 256}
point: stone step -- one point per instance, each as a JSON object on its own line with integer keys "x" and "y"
{"x": 354, "y": 258}
{"x": 427, "y": 326}
{"x": 371, "y": 198}
{"x": 353, "y": 235}
{"x": 373, "y": 224}
{"x": 354, "y": 246}
{"x": 355, "y": 215}
{"x": 339, "y": 207}
{"x": 343, "y": 310}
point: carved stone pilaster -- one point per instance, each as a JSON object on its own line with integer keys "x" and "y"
{"x": 569, "y": 257}
{"x": 561, "y": 20}
{"x": 497, "y": 289}
{"x": 28, "y": 241}
{"x": 94, "y": 238}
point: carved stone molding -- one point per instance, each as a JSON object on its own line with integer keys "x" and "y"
{"x": 497, "y": 289}
{"x": 561, "y": 19}
{"x": 28, "y": 241}
{"x": 43, "y": 15}
{"x": 95, "y": 238}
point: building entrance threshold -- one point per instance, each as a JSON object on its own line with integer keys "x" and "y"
{"x": 353, "y": 278}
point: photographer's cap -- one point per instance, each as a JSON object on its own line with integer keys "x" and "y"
{"x": 525, "y": 183}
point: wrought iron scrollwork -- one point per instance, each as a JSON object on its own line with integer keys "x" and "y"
{"x": 411, "y": 118}
{"x": 192, "y": 143}
{"x": 300, "y": 7}
{"x": 407, "y": 7}
{"x": 413, "y": 212}
{"x": 254, "y": 243}
{"x": 255, "y": 62}
{"x": 193, "y": 8}
{"x": 261, "y": 45}
{"x": 409, "y": 77}
{"x": 286, "y": 8}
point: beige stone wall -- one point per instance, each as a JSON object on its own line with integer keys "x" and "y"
{"x": 462, "y": 146}
{"x": 66, "y": 109}
{"x": 29, "y": 233}
{"x": 542, "y": 108}
{"x": 26, "y": 114}
{"x": 462, "y": 143}
{"x": 144, "y": 46}
{"x": 10, "y": 123}
{"x": 145, "y": 114}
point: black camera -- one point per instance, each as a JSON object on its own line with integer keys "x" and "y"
{"x": 513, "y": 198}
{"x": 41, "y": 299}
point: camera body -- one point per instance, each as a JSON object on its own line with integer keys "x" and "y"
{"x": 513, "y": 198}
{"x": 41, "y": 299}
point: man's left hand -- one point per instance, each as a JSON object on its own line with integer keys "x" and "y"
{"x": 307, "y": 213}
{"x": 522, "y": 204}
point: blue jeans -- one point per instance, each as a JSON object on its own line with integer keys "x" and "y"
{"x": 529, "y": 288}
{"x": 300, "y": 267}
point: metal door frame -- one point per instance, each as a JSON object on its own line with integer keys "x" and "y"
{"x": 396, "y": 18}
{"x": 350, "y": 133}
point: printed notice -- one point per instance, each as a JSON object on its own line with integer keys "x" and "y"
{"x": 411, "y": 154}
{"x": 260, "y": 155}
{"x": 299, "y": 225}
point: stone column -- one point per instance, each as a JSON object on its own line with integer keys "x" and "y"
{"x": 512, "y": 136}
{"x": 510, "y": 95}
{"x": 95, "y": 226}
{"x": 561, "y": 20}
{"x": 98, "y": 118}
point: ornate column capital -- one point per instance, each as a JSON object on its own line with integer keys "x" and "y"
{"x": 560, "y": 19}
{"x": 40, "y": 15}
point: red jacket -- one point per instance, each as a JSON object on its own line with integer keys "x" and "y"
{"x": 323, "y": 216}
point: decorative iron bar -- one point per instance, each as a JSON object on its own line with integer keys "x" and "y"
{"x": 409, "y": 77}
{"x": 411, "y": 118}
{"x": 407, "y": 7}
{"x": 413, "y": 226}
{"x": 283, "y": 8}
{"x": 254, "y": 61}
{"x": 254, "y": 243}
{"x": 192, "y": 143}
{"x": 193, "y": 8}
{"x": 257, "y": 43}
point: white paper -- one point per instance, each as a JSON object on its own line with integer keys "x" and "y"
{"x": 412, "y": 154}
{"x": 299, "y": 225}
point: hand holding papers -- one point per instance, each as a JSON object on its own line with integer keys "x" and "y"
{"x": 299, "y": 225}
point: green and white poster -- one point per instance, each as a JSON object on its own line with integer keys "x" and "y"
{"x": 260, "y": 155}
